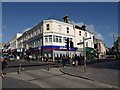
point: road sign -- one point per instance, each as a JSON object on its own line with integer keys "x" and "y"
{"x": 79, "y": 43}
{"x": 87, "y": 38}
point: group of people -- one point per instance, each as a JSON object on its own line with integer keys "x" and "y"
{"x": 4, "y": 65}
{"x": 76, "y": 60}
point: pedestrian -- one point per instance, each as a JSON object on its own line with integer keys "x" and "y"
{"x": 79, "y": 60}
{"x": 58, "y": 58}
{"x": 1, "y": 74}
{"x": 64, "y": 60}
{"x": 30, "y": 57}
{"x": 73, "y": 61}
{"x": 4, "y": 65}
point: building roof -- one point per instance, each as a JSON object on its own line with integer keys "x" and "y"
{"x": 1, "y": 45}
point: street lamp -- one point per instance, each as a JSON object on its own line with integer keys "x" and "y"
{"x": 114, "y": 37}
{"x": 114, "y": 45}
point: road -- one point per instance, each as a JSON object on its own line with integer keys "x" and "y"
{"x": 54, "y": 79}
{"x": 26, "y": 65}
{"x": 38, "y": 74}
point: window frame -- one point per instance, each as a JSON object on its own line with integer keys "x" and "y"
{"x": 67, "y": 29}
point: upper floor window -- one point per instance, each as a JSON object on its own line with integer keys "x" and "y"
{"x": 60, "y": 39}
{"x": 86, "y": 44}
{"x": 67, "y": 29}
{"x": 48, "y": 26}
{"x": 79, "y": 33}
{"x": 59, "y": 28}
{"x": 70, "y": 39}
{"x": 46, "y": 38}
{"x": 85, "y": 34}
{"x": 57, "y": 38}
{"x": 50, "y": 38}
{"x": 35, "y": 33}
{"x": 64, "y": 39}
{"x": 31, "y": 35}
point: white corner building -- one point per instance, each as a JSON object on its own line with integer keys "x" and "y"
{"x": 48, "y": 38}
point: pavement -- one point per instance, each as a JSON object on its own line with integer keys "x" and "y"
{"x": 14, "y": 82}
{"x": 101, "y": 72}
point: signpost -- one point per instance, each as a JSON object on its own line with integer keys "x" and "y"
{"x": 84, "y": 50}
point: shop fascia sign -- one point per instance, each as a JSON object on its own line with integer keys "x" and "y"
{"x": 62, "y": 48}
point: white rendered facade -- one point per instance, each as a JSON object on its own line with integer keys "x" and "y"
{"x": 58, "y": 30}
{"x": 14, "y": 42}
{"x": 54, "y": 33}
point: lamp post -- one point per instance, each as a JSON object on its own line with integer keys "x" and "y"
{"x": 114, "y": 45}
{"x": 114, "y": 37}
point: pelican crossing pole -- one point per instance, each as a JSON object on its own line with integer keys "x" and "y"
{"x": 19, "y": 69}
{"x": 84, "y": 52}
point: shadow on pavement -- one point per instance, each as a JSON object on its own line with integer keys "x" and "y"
{"x": 9, "y": 82}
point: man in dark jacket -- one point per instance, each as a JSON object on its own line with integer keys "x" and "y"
{"x": 64, "y": 60}
{"x": 4, "y": 65}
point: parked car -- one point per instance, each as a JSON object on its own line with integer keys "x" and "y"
{"x": 1, "y": 58}
{"x": 6, "y": 57}
{"x": 11, "y": 58}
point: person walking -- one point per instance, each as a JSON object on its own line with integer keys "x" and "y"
{"x": 73, "y": 61}
{"x": 64, "y": 60}
{"x": 4, "y": 65}
{"x": 79, "y": 60}
{"x": 2, "y": 75}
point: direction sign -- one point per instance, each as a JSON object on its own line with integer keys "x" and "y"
{"x": 79, "y": 43}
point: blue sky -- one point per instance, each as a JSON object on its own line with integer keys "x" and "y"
{"x": 100, "y": 17}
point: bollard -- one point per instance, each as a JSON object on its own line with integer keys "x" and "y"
{"x": 23, "y": 69}
{"x": 19, "y": 69}
{"x": 48, "y": 66}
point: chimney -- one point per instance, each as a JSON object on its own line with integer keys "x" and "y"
{"x": 83, "y": 27}
{"x": 65, "y": 18}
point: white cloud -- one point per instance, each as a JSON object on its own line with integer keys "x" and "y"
{"x": 90, "y": 28}
{"x": 4, "y": 26}
{"x": 98, "y": 35}
{"x": 1, "y": 35}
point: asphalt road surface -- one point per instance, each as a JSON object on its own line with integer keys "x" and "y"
{"x": 54, "y": 79}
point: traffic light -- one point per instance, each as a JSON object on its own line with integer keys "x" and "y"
{"x": 95, "y": 46}
{"x": 71, "y": 44}
{"x": 67, "y": 43}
